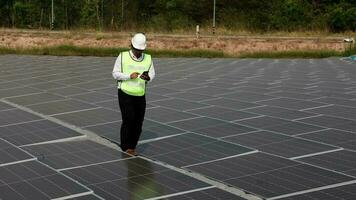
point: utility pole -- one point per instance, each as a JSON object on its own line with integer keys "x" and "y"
{"x": 102, "y": 15}
{"x": 52, "y": 18}
{"x": 214, "y": 18}
{"x": 122, "y": 14}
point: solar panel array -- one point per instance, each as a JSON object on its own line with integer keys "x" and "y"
{"x": 276, "y": 129}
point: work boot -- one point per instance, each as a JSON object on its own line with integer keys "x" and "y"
{"x": 131, "y": 152}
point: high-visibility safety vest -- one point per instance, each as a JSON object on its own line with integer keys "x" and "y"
{"x": 137, "y": 86}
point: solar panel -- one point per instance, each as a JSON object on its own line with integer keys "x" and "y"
{"x": 293, "y": 128}
{"x": 294, "y": 89}
{"x": 196, "y": 123}
{"x": 133, "y": 178}
{"x": 15, "y": 116}
{"x": 88, "y": 197}
{"x": 346, "y": 192}
{"x": 12, "y": 92}
{"x": 231, "y": 104}
{"x": 158, "y": 131}
{"x": 222, "y": 113}
{"x": 269, "y": 179}
{"x": 68, "y": 91}
{"x": 247, "y": 96}
{"x": 298, "y": 113}
{"x": 190, "y": 96}
{"x": 337, "y": 111}
{"x": 335, "y": 137}
{"x": 188, "y": 149}
{"x": 73, "y": 153}
{"x": 220, "y": 83}
{"x": 36, "y": 181}
{"x": 342, "y": 161}
{"x": 4, "y": 106}
{"x": 180, "y": 85}
{"x": 112, "y": 90}
{"x": 338, "y": 101}
{"x": 68, "y": 80}
{"x": 92, "y": 97}
{"x": 89, "y": 85}
{"x": 28, "y": 80}
{"x": 8, "y": 85}
{"x": 36, "y": 132}
{"x": 224, "y": 129}
{"x": 241, "y": 166}
{"x": 214, "y": 91}
{"x": 257, "y": 138}
{"x": 288, "y": 180}
{"x": 179, "y": 104}
{"x": 300, "y": 96}
{"x": 255, "y": 89}
{"x": 164, "y": 115}
{"x": 90, "y": 117}
{"x": 326, "y": 121}
{"x": 155, "y": 97}
{"x": 11, "y": 154}
{"x": 263, "y": 122}
{"x": 111, "y": 131}
{"x": 47, "y": 86}
{"x": 279, "y": 112}
{"x": 111, "y": 104}
{"x": 295, "y": 147}
{"x": 208, "y": 194}
{"x": 334, "y": 94}
{"x": 160, "y": 90}
{"x": 292, "y": 103}
{"x": 61, "y": 106}
{"x": 349, "y": 126}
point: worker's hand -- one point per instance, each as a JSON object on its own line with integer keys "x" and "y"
{"x": 145, "y": 76}
{"x": 134, "y": 75}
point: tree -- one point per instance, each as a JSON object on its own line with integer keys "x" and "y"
{"x": 171, "y": 15}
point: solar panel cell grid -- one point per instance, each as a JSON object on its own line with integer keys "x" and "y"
{"x": 276, "y": 128}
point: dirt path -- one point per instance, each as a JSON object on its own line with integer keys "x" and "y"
{"x": 233, "y": 45}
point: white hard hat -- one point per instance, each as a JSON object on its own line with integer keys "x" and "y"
{"x": 139, "y": 41}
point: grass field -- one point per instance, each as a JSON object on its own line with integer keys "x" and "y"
{"x": 238, "y": 45}
{"x": 70, "y": 50}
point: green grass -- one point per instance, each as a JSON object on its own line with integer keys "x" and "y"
{"x": 70, "y": 50}
{"x": 350, "y": 50}
{"x": 188, "y": 53}
{"x": 292, "y": 54}
{"x": 301, "y": 54}
{"x": 63, "y": 50}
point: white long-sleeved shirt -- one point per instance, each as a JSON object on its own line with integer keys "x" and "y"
{"x": 119, "y": 75}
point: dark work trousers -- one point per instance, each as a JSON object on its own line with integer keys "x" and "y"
{"x": 133, "y": 113}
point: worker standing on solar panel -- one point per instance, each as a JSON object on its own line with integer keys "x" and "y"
{"x": 132, "y": 70}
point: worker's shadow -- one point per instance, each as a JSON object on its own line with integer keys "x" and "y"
{"x": 141, "y": 181}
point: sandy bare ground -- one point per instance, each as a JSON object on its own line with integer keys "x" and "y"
{"x": 233, "y": 45}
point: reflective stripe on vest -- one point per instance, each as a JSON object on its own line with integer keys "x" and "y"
{"x": 135, "y": 87}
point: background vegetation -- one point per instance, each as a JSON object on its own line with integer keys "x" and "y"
{"x": 173, "y": 15}
{"x": 70, "y": 50}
